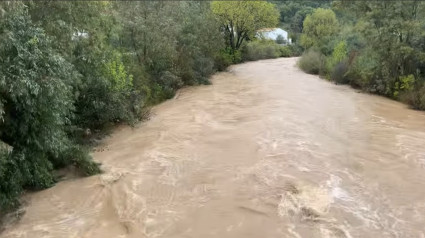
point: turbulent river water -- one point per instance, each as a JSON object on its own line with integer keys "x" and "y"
{"x": 265, "y": 151}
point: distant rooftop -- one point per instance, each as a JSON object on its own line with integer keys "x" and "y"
{"x": 269, "y": 29}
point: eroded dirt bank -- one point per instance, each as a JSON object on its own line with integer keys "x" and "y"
{"x": 266, "y": 151}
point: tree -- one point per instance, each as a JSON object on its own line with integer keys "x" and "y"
{"x": 318, "y": 28}
{"x": 37, "y": 104}
{"x": 394, "y": 34}
{"x": 35, "y": 87}
{"x": 197, "y": 44}
{"x": 339, "y": 54}
{"x": 280, "y": 39}
{"x": 296, "y": 24}
{"x": 240, "y": 19}
{"x": 97, "y": 101}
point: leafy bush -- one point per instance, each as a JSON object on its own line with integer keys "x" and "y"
{"x": 115, "y": 71}
{"x": 105, "y": 96}
{"x": 164, "y": 87}
{"x": 405, "y": 84}
{"x": 338, "y": 73}
{"x": 227, "y": 57}
{"x": 203, "y": 68}
{"x": 37, "y": 101}
{"x": 339, "y": 55}
{"x": 363, "y": 71}
{"x": 265, "y": 49}
{"x": 262, "y": 49}
{"x": 10, "y": 181}
{"x": 312, "y": 62}
{"x": 280, "y": 40}
{"x": 414, "y": 97}
{"x": 285, "y": 51}
{"x": 80, "y": 158}
{"x": 223, "y": 59}
{"x": 296, "y": 49}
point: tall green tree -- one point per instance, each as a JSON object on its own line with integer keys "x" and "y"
{"x": 166, "y": 41}
{"x": 318, "y": 28}
{"x": 394, "y": 33}
{"x": 241, "y": 19}
{"x": 85, "y": 34}
{"x": 197, "y": 44}
{"x": 37, "y": 104}
{"x": 149, "y": 41}
{"x": 293, "y": 13}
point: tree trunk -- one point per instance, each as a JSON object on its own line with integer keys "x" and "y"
{"x": 232, "y": 36}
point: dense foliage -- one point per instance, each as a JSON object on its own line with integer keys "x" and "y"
{"x": 376, "y": 46}
{"x": 69, "y": 69}
{"x": 318, "y": 28}
{"x": 265, "y": 49}
{"x": 37, "y": 105}
{"x": 241, "y": 19}
{"x": 293, "y": 13}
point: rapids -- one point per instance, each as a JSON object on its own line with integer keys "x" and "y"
{"x": 265, "y": 151}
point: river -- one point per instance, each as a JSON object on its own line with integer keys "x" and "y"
{"x": 265, "y": 151}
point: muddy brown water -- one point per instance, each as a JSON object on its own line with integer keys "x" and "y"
{"x": 266, "y": 151}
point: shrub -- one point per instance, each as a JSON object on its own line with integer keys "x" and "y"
{"x": 261, "y": 49}
{"x": 203, "y": 68}
{"x": 404, "y": 84}
{"x": 363, "y": 71}
{"x": 227, "y": 57}
{"x": 414, "y": 97}
{"x": 165, "y": 86}
{"x": 338, "y": 73}
{"x": 296, "y": 49}
{"x": 106, "y": 94}
{"x": 37, "y": 104}
{"x": 11, "y": 181}
{"x": 195, "y": 69}
{"x": 280, "y": 40}
{"x": 79, "y": 156}
{"x": 285, "y": 51}
{"x": 312, "y": 62}
{"x": 339, "y": 54}
{"x": 265, "y": 49}
{"x": 222, "y": 60}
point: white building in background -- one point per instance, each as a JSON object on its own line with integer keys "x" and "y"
{"x": 80, "y": 35}
{"x": 273, "y": 33}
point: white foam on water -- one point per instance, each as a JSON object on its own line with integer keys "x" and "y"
{"x": 336, "y": 191}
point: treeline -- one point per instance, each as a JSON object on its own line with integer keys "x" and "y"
{"x": 293, "y": 14}
{"x": 69, "y": 69}
{"x": 377, "y": 46}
